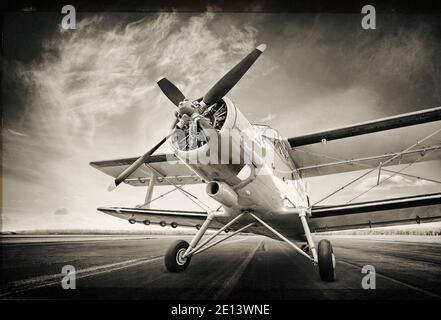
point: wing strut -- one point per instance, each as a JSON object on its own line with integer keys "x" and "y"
{"x": 314, "y": 259}
{"x": 199, "y": 203}
{"x": 388, "y": 178}
{"x": 373, "y": 169}
{"x": 357, "y": 162}
{"x": 195, "y": 247}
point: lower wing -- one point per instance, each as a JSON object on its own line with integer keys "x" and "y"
{"x": 160, "y": 217}
{"x": 397, "y": 211}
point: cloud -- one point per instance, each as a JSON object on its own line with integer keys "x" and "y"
{"x": 17, "y": 133}
{"x": 268, "y": 118}
{"x": 91, "y": 94}
{"x": 61, "y": 212}
{"x": 340, "y": 74}
{"x": 104, "y": 69}
{"x": 390, "y": 182}
{"x": 96, "y": 86}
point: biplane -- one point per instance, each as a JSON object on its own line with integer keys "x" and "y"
{"x": 258, "y": 177}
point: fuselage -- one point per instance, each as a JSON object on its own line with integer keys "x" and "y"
{"x": 251, "y": 171}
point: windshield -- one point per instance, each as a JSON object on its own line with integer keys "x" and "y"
{"x": 273, "y": 135}
{"x": 267, "y": 132}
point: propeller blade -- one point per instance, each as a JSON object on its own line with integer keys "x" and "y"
{"x": 135, "y": 165}
{"x": 228, "y": 81}
{"x": 171, "y": 91}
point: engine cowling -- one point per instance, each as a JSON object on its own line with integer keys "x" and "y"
{"x": 222, "y": 155}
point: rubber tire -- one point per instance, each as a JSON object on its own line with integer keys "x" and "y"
{"x": 170, "y": 259}
{"x": 325, "y": 261}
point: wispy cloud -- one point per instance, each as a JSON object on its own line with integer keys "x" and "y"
{"x": 267, "y": 118}
{"x": 103, "y": 69}
{"x": 17, "y": 133}
{"x": 92, "y": 94}
{"x": 390, "y": 182}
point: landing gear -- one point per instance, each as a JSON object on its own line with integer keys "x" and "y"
{"x": 174, "y": 258}
{"x": 324, "y": 256}
{"x": 326, "y": 261}
{"x": 179, "y": 254}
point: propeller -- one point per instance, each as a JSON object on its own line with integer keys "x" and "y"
{"x": 191, "y": 111}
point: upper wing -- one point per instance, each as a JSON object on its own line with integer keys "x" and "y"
{"x": 167, "y": 168}
{"x": 344, "y": 149}
{"x": 403, "y": 120}
{"x": 397, "y": 211}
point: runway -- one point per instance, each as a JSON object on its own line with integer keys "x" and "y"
{"x": 244, "y": 267}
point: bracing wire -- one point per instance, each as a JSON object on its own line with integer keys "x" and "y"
{"x": 373, "y": 169}
{"x": 186, "y": 193}
{"x": 389, "y": 177}
{"x": 361, "y": 165}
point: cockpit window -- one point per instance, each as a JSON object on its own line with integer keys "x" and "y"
{"x": 267, "y": 132}
{"x": 274, "y": 137}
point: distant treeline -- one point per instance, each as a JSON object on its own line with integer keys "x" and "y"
{"x": 165, "y": 231}
{"x": 422, "y": 232}
{"x": 100, "y": 232}
{"x": 190, "y": 231}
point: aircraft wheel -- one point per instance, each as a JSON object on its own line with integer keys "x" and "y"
{"x": 326, "y": 261}
{"x": 174, "y": 262}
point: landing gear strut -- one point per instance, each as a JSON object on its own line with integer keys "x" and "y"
{"x": 179, "y": 254}
{"x": 325, "y": 258}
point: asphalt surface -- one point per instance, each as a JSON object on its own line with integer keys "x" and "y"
{"x": 244, "y": 267}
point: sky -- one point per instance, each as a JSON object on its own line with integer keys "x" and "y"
{"x": 75, "y": 96}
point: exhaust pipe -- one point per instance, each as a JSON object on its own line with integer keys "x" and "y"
{"x": 222, "y": 192}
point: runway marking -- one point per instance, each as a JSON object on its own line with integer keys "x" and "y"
{"x": 64, "y": 240}
{"x": 394, "y": 280}
{"x": 237, "y": 240}
{"x": 230, "y": 283}
{"x": 53, "y": 279}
